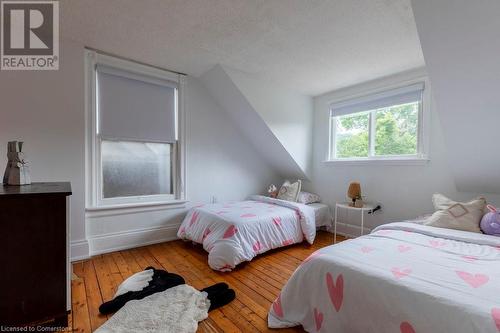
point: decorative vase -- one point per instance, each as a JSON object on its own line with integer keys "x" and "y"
{"x": 17, "y": 170}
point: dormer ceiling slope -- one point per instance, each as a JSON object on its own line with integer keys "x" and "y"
{"x": 251, "y": 125}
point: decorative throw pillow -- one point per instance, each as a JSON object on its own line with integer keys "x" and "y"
{"x": 449, "y": 214}
{"x": 290, "y": 191}
{"x": 308, "y": 198}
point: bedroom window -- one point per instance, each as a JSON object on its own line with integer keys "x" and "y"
{"x": 383, "y": 126}
{"x": 135, "y": 149}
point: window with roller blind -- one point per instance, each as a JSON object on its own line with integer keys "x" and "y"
{"x": 135, "y": 132}
{"x": 387, "y": 125}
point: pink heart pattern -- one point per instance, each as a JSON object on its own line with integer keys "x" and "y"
{"x": 495, "y": 314}
{"x": 230, "y": 231}
{"x": 473, "y": 280}
{"x": 406, "y": 327}
{"x": 436, "y": 243}
{"x": 226, "y": 268}
{"x": 278, "y": 310}
{"x": 400, "y": 273}
{"x": 248, "y": 215}
{"x": 220, "y": 212}
{"x": 367, "y": 249}
{"x": 194, "y": 218}
{"x": 206, "y": 233}
{"x": 404, "y": 248}
{"x": 257, "y": 247}
{"x": 287, "y": 242}
{"x": 335, "y": 290}
{"x": 470, "y": 258}
{"x": 182, "y": 230}
{"x": 318, "y": 319}
{"x": 277, "y": 221}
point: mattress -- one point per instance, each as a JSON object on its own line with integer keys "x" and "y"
{"x": 322, "y": 214}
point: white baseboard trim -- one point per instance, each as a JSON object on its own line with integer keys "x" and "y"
{"x": 79, "y": 250}
{"x": 132, "y": 238}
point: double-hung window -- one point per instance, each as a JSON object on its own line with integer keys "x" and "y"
{"x": 134, "y": 142}
{"x": 386, "y": 125}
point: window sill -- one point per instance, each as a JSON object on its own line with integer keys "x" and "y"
{"x": 380, "y": 161}
{"x": 134, "y": 207}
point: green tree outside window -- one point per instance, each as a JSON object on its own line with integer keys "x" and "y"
{"x": 396, "y": 132}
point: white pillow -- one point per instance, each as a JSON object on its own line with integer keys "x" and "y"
{"x": 289, "y": 191}
{"x": 449, "y": 214}
{"x": 308, "y": 198}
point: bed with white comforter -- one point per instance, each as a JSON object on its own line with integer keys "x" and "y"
{"x": 235, "y": 232}
{"x": 402, "y": 278}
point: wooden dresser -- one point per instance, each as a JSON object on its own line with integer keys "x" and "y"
{"x": 34, "y": 254}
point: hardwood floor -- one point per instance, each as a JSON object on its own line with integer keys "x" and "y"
{"x": 257, "y": 283}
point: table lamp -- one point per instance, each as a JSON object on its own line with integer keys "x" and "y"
{"x": 354, "y": 193}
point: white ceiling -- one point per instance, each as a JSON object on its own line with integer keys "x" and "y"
{"x": 312, "y": 45}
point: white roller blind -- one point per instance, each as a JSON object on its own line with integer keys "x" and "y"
{"x": 134, "y": 107}
{"x": 398, "y": 96}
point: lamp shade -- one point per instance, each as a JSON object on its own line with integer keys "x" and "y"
{"x": 354, "y": 191}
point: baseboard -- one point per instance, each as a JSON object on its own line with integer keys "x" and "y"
{"x": 79, "y": 250}
{"x": 132, "y": 238}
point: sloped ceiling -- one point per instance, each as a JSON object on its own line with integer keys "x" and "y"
{"x": 250, "y": 123}
{"x": 312, "y": 46}
{"x": 288, "y": 114}
{"x": 461, "y": 45}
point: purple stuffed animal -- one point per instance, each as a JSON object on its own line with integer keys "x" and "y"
{"x": 490, "y": 223}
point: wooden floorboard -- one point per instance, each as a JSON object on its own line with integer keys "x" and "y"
{"x": 257, "y": 283}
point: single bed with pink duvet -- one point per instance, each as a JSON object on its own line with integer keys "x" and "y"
{"x": 402, "y": 278}
{"x": 236, "y": 232}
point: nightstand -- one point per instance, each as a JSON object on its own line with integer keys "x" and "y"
{"x": 367, "y": 208}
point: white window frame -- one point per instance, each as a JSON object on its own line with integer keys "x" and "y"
{"x": 94, "y": 199}
{"x": 424, "y": 115}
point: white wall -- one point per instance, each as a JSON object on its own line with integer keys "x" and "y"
{"x": 220, "y": 161}
{"x": 46, "y": 110}
{"x": 288, "y": 114}
{"x": 404, "y": 191}
{"x": 461, "y": 45}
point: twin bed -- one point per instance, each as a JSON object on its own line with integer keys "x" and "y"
{"x": 238, "y": 231}
{"x": 403, "y": 277}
